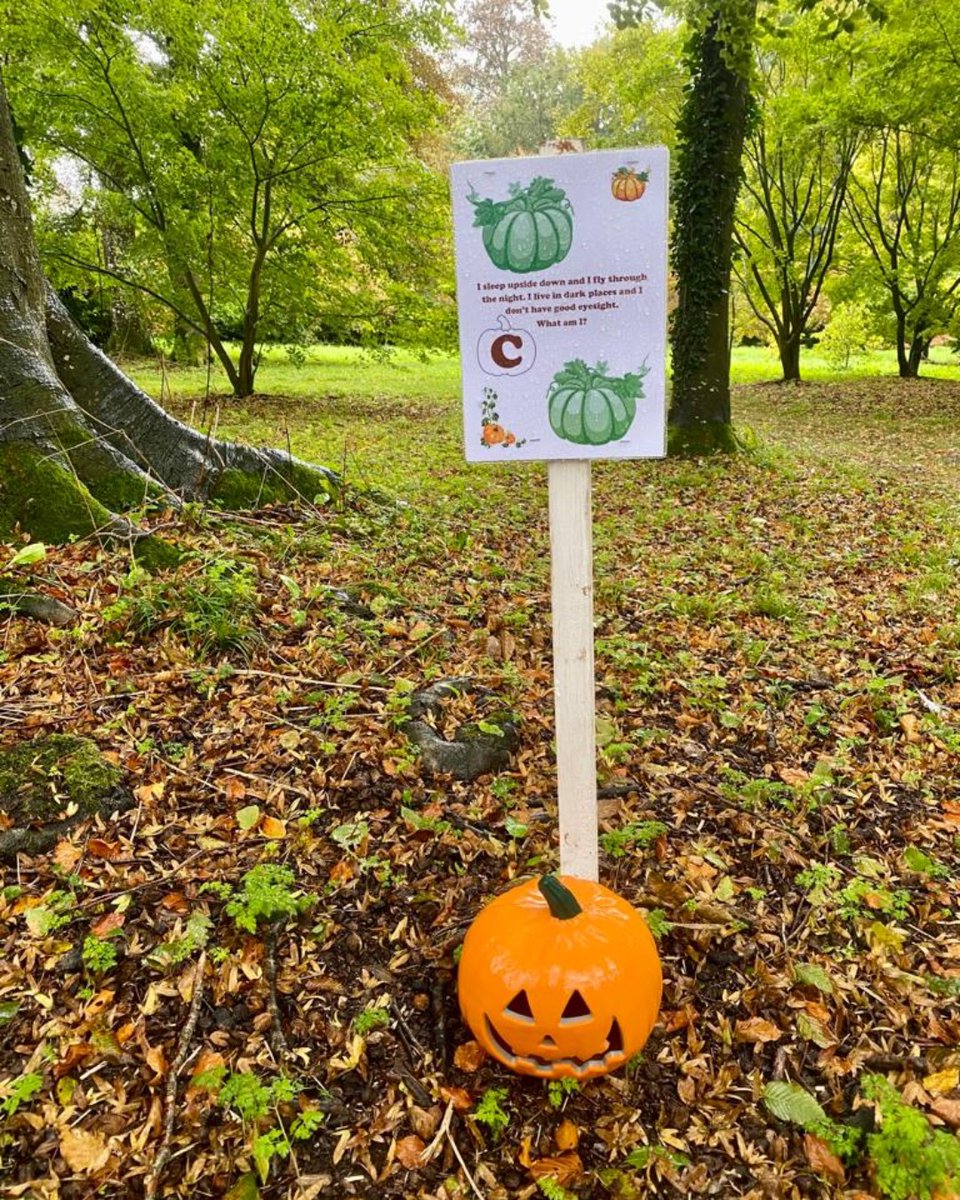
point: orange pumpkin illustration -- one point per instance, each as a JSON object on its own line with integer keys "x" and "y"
{"x": 628, "y": 184}
{"x": 560, "y": 978}
{"x": 493, "y": 434}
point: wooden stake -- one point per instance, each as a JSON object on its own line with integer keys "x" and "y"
{"x": 574, "y": 687}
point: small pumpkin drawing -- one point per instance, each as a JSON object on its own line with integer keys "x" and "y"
{"x": 560, "y": 978}
{"x": 530, "y": 231}
{"x": 589, "y": 407}
{"x": 493, "y": 434}
{"x": 628, "y": 184}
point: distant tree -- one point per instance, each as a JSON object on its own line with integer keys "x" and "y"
{"x": 79, "y": 442}
{"x": 268, "y": 155}
{"x": 534, "y": 104}
{"x": 499, "y": 36}
{"x": 797, "y": 161}
{"x": 904, "y": 206}
{"x": 632, "y": 84}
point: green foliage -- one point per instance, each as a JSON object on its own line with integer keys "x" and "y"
{"x": 643, "y": 1156}
{"x": 212, "y": 602}
{"x": 267, "y": 896}
{"x": 313, "y": 129}
{"x": 489, "y": 1111}
{"x": 20, "y": 1092}
{"x": 559, "y": 1089}
{"x": 553, "y": 1190}
{"x": 657, "y": 923}
{"x": 372, "y": 1018}
{"x": 99, "y": 955}
{"x": 618, "y": 842}
{"x": 911, "y": 1159}
{"x": 849, "y": 333}
{"x": 196, "y": 936}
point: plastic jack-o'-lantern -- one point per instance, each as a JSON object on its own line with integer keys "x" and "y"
{"x": 560, "y": 978}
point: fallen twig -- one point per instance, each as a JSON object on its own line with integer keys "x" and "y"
{"x": 183, "y": 1049}
{"x": 277, "y": 1039}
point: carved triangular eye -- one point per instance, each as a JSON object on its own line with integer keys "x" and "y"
{"x": 576, "y": 1007}
{"x": 519, "y": 1006}
{"x": 615, "y": 1036}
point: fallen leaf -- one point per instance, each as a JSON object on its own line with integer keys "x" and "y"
{"x": 909, "y": 724}
{"x": 793, "y": 777}
{"x": 247, "y": 818}
{"x": 425, "y": 1120}
{"x": 409, "y": 1150}
{"x": 947, "y": 1110}
{"x": 567, "y": 1135}
{"x": 941, "y": 1082}
{"x": 564, "y": 1168}
{"x": 66, "y": 855}
{"x": 822, "y": 1159}
{"x": 105, "y": 850}
{"x": 236, "y": 789}
{"x": 271, "y": 827}
{"x": 459, "y": 1097}
{"x": 757, "y": 1029}
{"x": 107, "y": 924}
{"x": 469, "y": 1057}
{"x": 83, "y": 1152}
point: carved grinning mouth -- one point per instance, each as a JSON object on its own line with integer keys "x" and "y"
{"x": 611, "y": 1057}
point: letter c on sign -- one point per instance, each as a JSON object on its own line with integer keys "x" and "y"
{"x": 506, "y": 351}
{"x": 499, "y": 355}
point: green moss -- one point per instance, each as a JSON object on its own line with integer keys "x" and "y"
{"x": 154, "y": 554}
{"x": 45, "y": 498}
{"x": 702, "y": 438}
{"x": 246, "y": 489}
{"x": 41, "y": 779}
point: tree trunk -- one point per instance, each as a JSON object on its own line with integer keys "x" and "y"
{"x": 789, "y": 349}
{"x": 710, "y": 144}
{"x": 913, "y": 358}
{"x": 78, "y": 440}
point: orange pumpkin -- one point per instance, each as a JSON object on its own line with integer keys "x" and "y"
{"x": 628, "y": 184}
{"x": 560, "y": 978}
{"x": 493, "y": 434}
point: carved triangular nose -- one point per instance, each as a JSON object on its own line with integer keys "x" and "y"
{"x": 548, "y": 1043}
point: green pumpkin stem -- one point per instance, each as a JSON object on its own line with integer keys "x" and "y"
{"x": 562, "y": 902}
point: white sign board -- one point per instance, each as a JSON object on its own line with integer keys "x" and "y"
{"x": 562, "y": 298}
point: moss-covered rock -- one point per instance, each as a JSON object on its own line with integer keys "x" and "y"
{"x": 48, "y": 785}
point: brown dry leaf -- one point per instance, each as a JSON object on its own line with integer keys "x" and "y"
{"x": 425, "y": 1120}
{"x": 207, "y": 1060}
{"x": 85, "y": 1153}
{"x": 107, "y": 924}
{"x": 175, "y": 902}
{"x": 271, "y": 827}
{"x": 66, "y": 855}
{"x": 793, "y": 777}
{"x": 568, "y": 1135}
{"x": 459, "y": 1097}
{"x": 105, "y": 850}
{"x": 822, "y": 1159}
{"x": 156, "y": 1059}
{"x": 409, "y": 1151}
{"x": 947, "y": 1110}
{"x": 564, "y": 1168}
{"x": 147, "y": 792}
{"x": 910, "y": 726}
{"x": 469, "y": 1057}
{"x": 235, "y": 788}
{"x": 757, "y": 1029}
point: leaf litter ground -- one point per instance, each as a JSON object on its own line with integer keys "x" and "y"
{"x": 779, "y": 721}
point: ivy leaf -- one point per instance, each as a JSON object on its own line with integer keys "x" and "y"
{"x": 790, "y": 1102}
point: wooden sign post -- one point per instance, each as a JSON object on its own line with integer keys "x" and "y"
{"x": 561, "y": 291}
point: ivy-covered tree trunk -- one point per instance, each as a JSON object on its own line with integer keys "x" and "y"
{"x": 710, "y": 139}
{"x": 79, "y": 442}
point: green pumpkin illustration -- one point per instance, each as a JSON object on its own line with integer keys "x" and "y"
{"x": 531, "y": 231}
{"x": 589, "y": 407}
